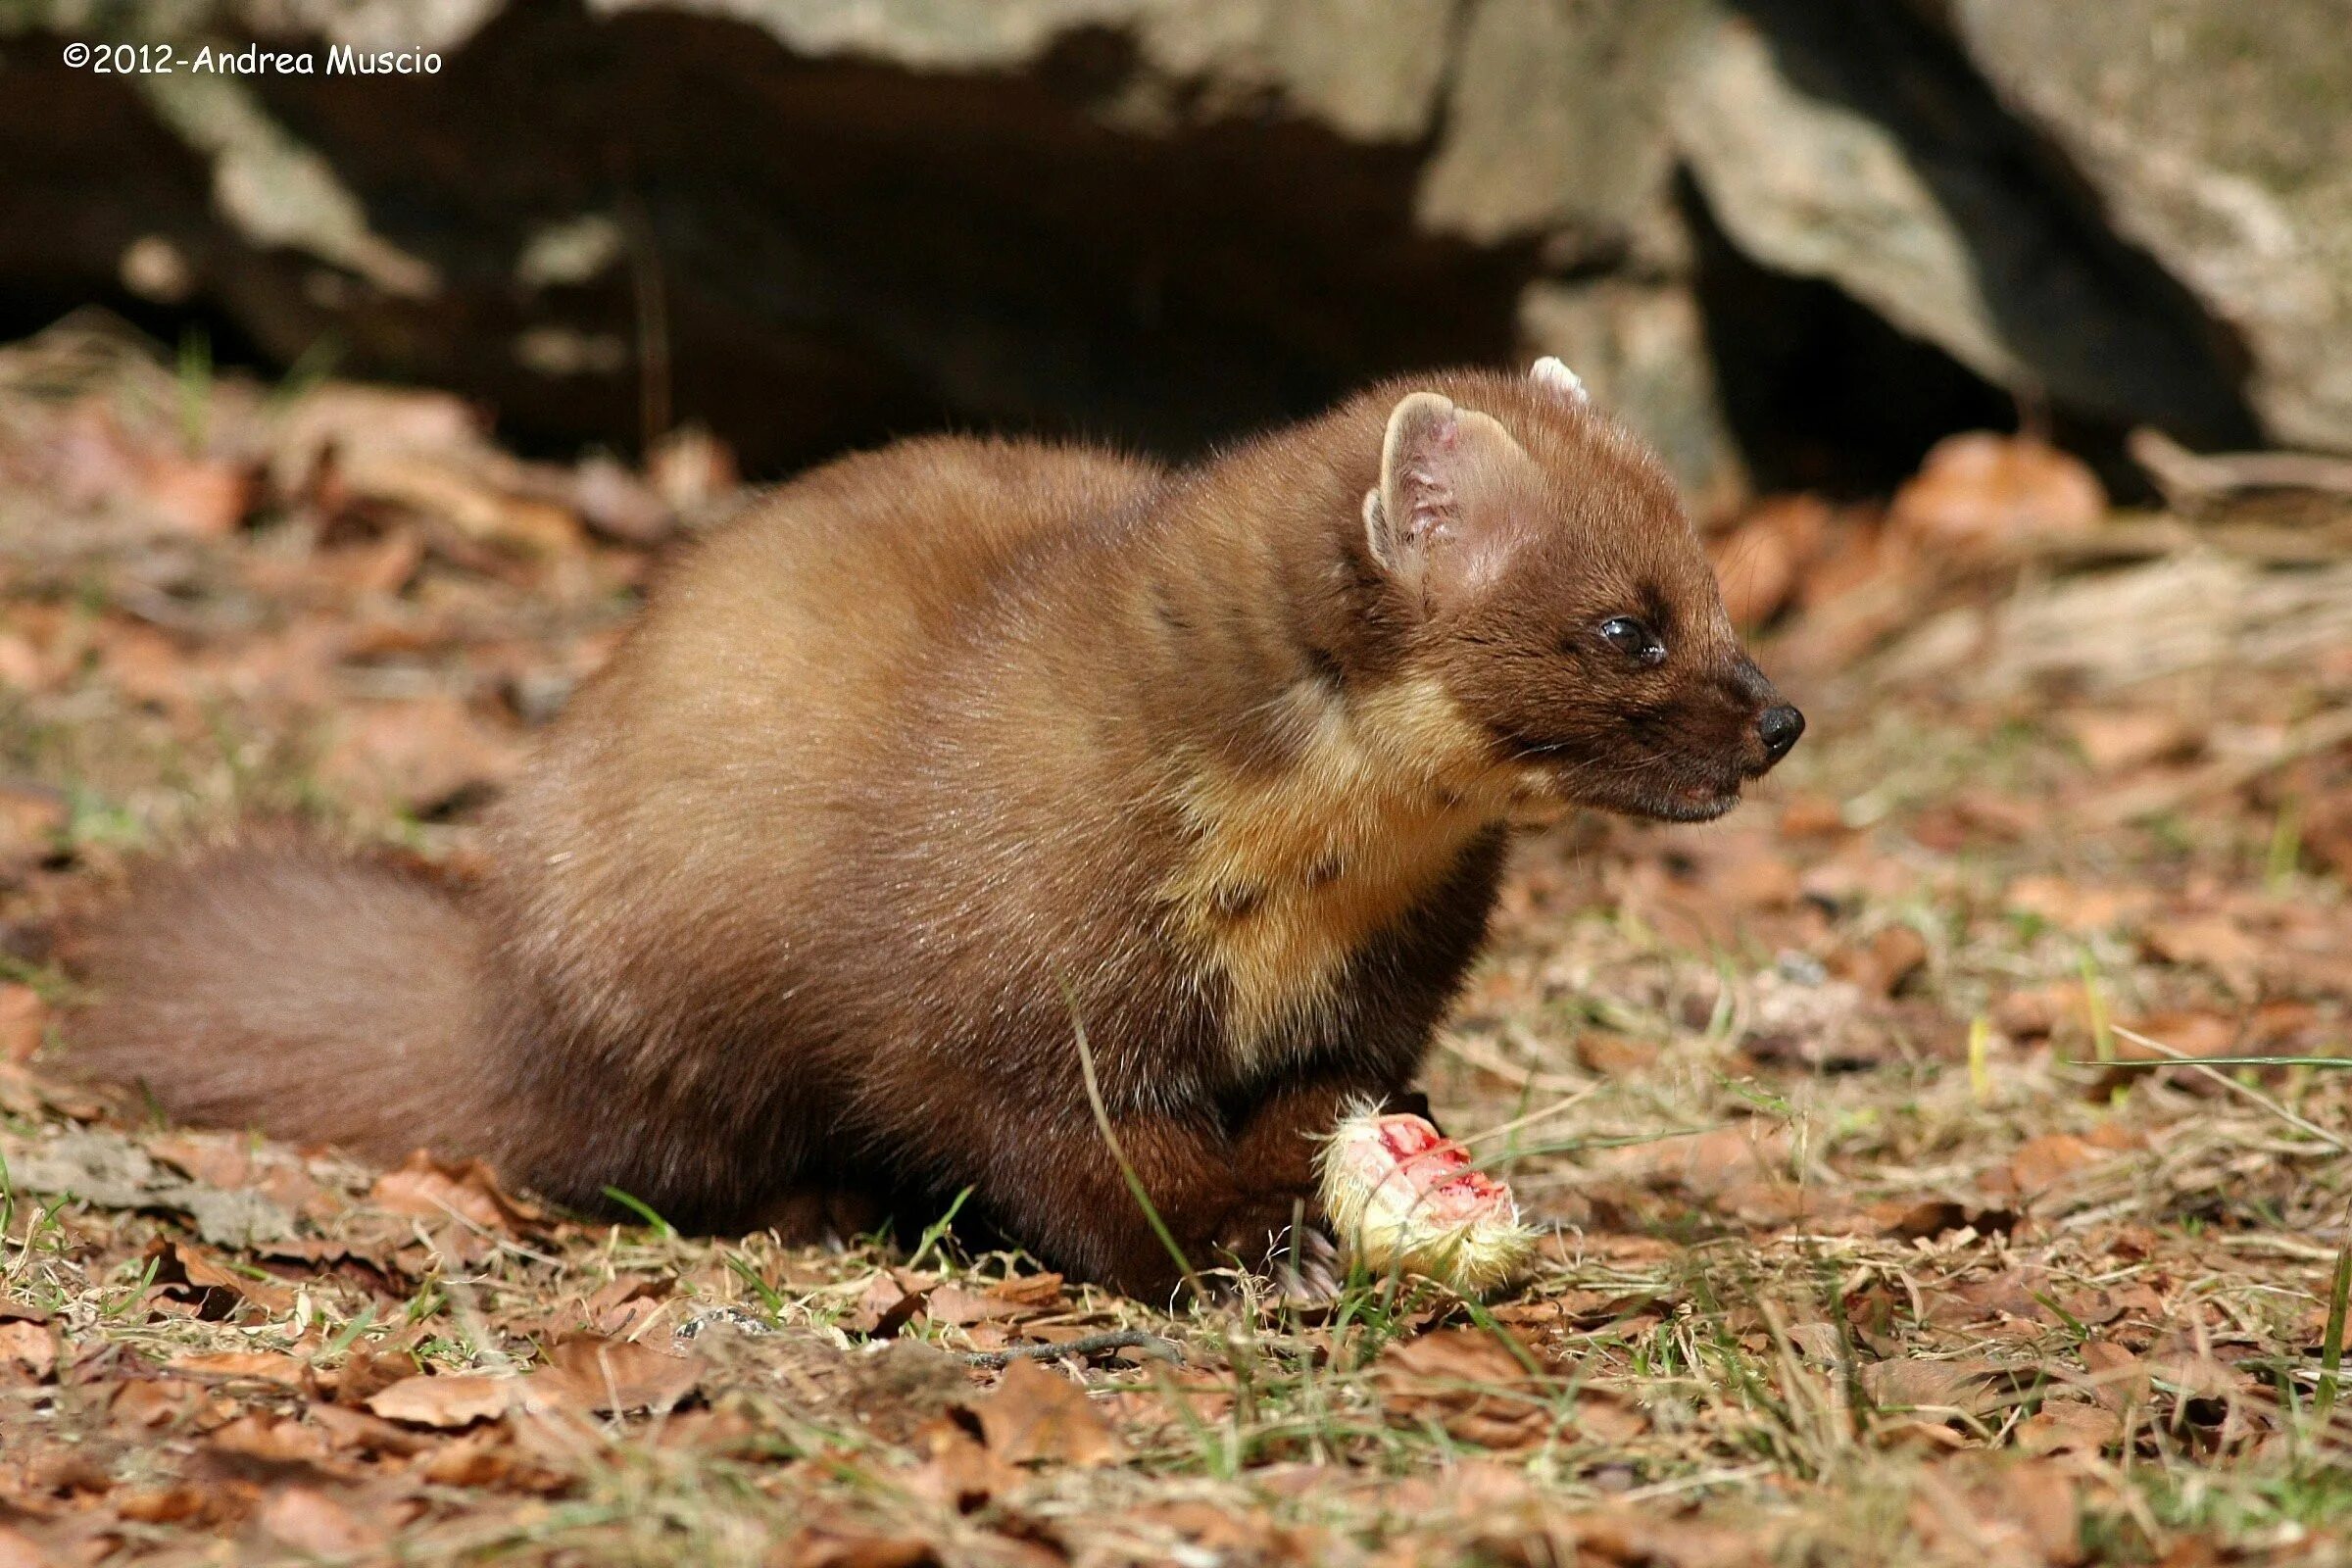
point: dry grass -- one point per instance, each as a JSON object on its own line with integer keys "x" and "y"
{"x": 1880, "y": 1235}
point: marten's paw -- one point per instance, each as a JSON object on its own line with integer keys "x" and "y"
{"x": 1281, "y": 1239}
{"x": 1405, "y": 1197}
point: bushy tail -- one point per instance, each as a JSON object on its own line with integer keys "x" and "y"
{"x": 298, "y": 991}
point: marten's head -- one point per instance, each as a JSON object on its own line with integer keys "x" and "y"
{"x": 1536, "y": 565}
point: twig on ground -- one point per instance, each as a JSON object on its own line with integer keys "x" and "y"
{"x": 2332, "y": 1140}
{"x": 1085, "y": 1345}
{"x": 2186, "y": 476}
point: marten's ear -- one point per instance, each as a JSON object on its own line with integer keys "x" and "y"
{"x": 1435, "y": 520}
{"x": 1556, "y": 378}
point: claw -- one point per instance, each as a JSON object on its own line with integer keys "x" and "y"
{"x": 1304, "y": 1265}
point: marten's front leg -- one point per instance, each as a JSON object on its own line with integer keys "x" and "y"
{"x": 1043, "y": 1174}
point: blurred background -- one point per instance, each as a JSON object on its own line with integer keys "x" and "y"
{"x": 1794, "y": 240}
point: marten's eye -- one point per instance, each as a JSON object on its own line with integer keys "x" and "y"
{"x": 1632, "y": 639}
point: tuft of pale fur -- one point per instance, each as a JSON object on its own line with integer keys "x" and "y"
{"x": 1405, "y": 1199}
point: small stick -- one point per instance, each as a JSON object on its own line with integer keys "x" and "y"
{"x": 2234, "y": 1086}
{"x": 2184, "y": 474}
{"x": 1084, "y": 1344}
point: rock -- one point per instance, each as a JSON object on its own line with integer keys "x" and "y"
{"x": 1836, "y": 140}
{"x": 1556, "y": 123}
{"x": 2214, "y": 135}
{"x": 1369, "y": 72}
{"x": 804, "y": 224}
{"x": 807, "y": 225}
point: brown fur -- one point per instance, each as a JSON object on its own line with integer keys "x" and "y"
{"x": 953, "y": 741}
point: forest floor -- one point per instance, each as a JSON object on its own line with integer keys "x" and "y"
{"x": 1887, "y": 1220}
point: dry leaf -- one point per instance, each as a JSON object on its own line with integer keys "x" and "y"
{"x": 1893, "y": 956}
{"x": 422, "y": 752}
{"x": 195, "y": 496}
{"x": 2068, "y": 1427}
{"x": 2211, "y": 942}
{"x": 24, "y": 1021}
{"x": 266, "y": 1366}
{"x": 19, "y": 1551}
{"x": 29, "y": 1348}
{"x": 887, "y": 1304}
{"x": 466, "y": 1189}
{"x": 1035, "y": 1416}
{"x": 309, "y": 1521}
{"x": 816, "y": 1548}
{"x": 450, "y": 1400}
{"x": 1977, "y": 1507}
{"x": 2045, "y": 1161}
{"x": 273, "y": 1440}
{"x": 186, "y": 1272}
{"x": 1979, "y": 494}
{"x": 1481, "y": 1388}
{"x": 1970, "y": 1386}
{"x": 167, "y": 1505}
{"x": 958, "y": 1472}
{"x": 2189, "y": 1034}
{"x": 610, "y": 1377}
{"x": 2074, "y": 906}
{"x": 955, "y": 1305}
{"x": 2118, "y": 1379}
{"x": 356, "y": 1432}
{"x": 2116, "y": 741}
{"x": 1015, "y": 1298}
{"x": 1036, "y": 1291}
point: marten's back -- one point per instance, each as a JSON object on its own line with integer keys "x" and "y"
{"x": 751, "y": 696}
{"x": 722, "y": 844}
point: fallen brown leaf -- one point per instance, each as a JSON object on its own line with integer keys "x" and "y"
{"x": 2211, "y": 942}
{"x": 2117, "y": 740}
{"x": 466, "y": 1190}
{"x": 19, "y": 1551}
{"x": 610, "y": 1377}
{"x": 819, "y": 1547}
{"x": 29, "y": 1348}
{"x": 2068, "y": 1427}
{"x": 1972, "y": 1386}
{"x": 958, "y": 1471}
{"x": 186, "y": 1272}
{"x": 1035, "y": 1416}
{"x": 446, "y": 1400}
{"x": 422, "y": 752}
{"x": 2045, "y": 1161}
{"x": 312, "y": 1522}
{"x": 1479, "y": 1388}
{"x": 273, "y": 1440}
{"x": 1979, "y": 494}
{"x": 266, "y": 1366}
{"x": 24, "y": 1021}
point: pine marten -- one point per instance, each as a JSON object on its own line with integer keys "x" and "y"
{"x": 947, "y": 749}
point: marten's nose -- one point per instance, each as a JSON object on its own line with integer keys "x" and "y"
{"x": 1779, "y": 729}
